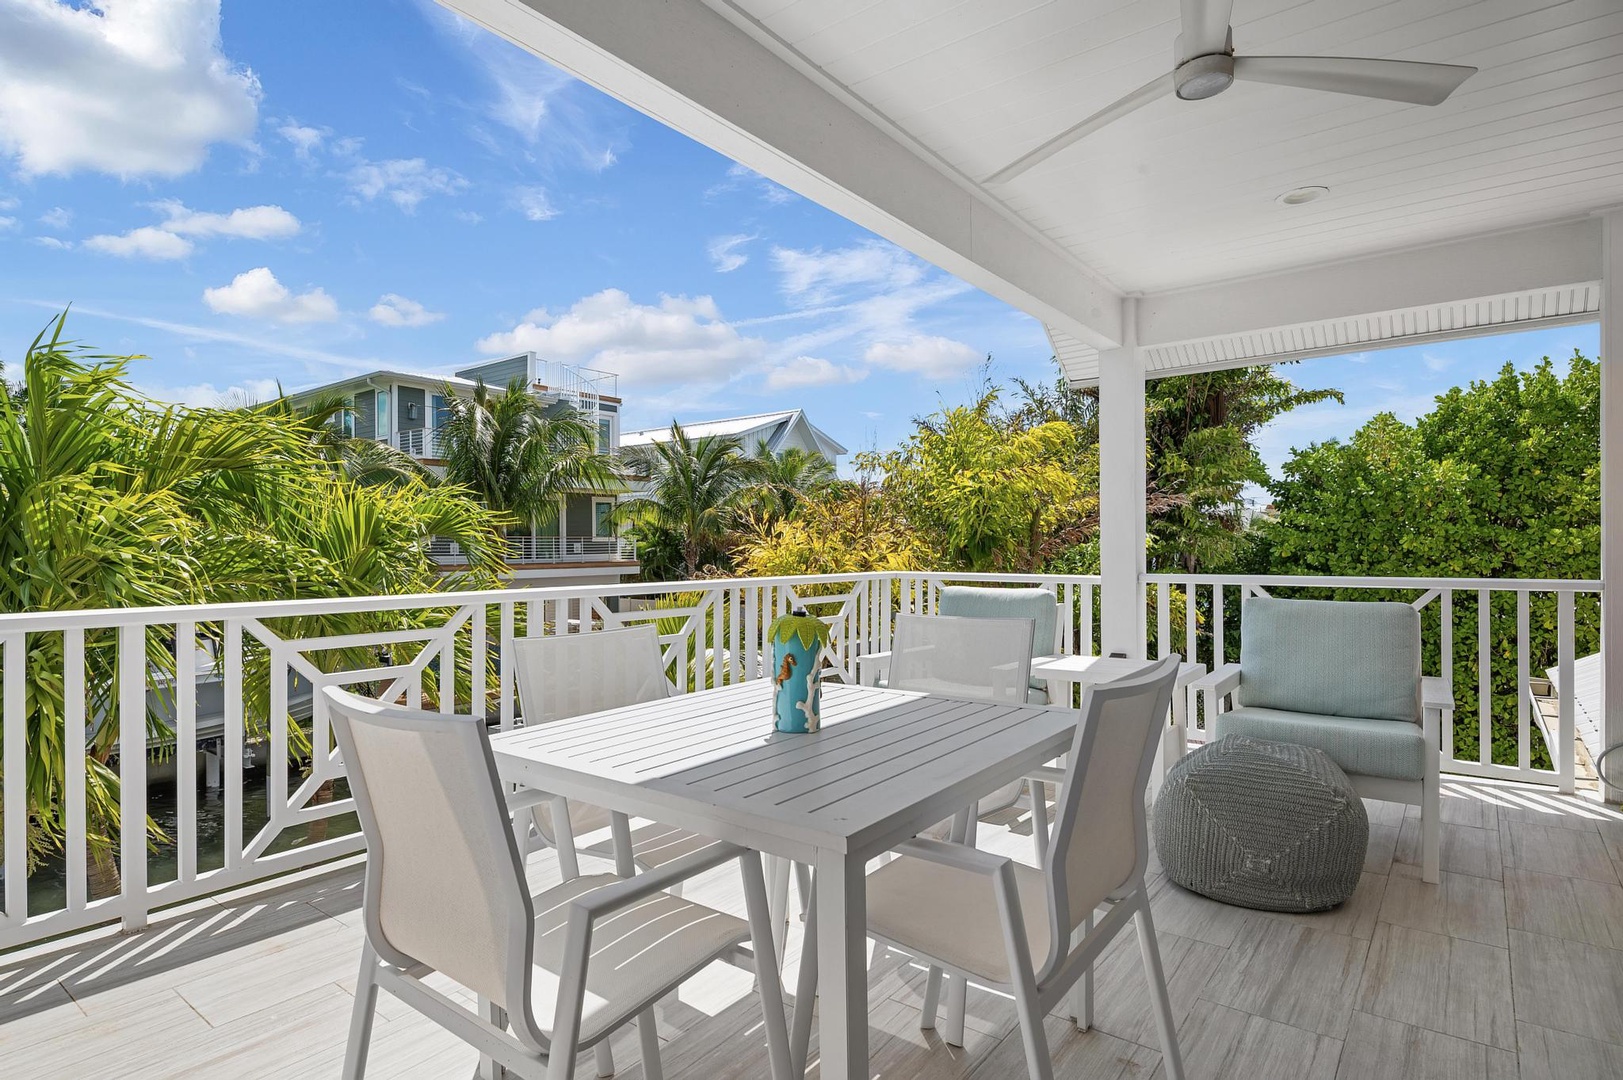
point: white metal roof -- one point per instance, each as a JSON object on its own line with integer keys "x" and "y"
{"x": 771, "y": 426}
{"x": 383, "y": 376}
{"x": 894, "y": 112}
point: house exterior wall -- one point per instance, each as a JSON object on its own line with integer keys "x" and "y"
{"x": 498, "y": 373}
{"x": 406, "y": 396}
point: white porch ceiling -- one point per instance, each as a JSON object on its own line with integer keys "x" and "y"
{"x": 892, "y": 112}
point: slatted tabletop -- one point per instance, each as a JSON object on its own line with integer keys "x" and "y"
{"x": 885, "y": 764}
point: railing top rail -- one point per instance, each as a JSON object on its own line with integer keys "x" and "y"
{"x": 1334, "y": 582}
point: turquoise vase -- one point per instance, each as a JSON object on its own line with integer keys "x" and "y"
{"x": 797, "y": 696}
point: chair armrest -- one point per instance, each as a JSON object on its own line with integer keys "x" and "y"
{"x": 1046, "y": 774}
{"x": 957, "y": 856}
{"x": 629, "y": 890}
{"x": 1436, "y": 693}
{"x": 878, "y": 665}
{"x": 1225, "y": 680}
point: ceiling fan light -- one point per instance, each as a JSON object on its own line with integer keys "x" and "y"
{"x": 1204, "y": 76}
{"x": 1298, "y": 196}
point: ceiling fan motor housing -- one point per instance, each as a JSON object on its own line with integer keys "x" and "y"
{"x": 1202, "y": 77}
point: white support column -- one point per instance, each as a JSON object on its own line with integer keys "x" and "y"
{"x": 1122, "y": 506}
{"x": 1611, "y": 486}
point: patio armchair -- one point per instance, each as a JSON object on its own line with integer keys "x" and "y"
{"x": 1029, "y": 931}
{"x": 1342, "y": 677}
{"x": 556, "y": 973}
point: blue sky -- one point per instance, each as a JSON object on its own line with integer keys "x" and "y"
{"x": 299, "y": 190}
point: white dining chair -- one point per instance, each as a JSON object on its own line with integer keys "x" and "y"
{"x": 556, "y": 973}
{"x": 958, "y": 656}
{"x": 1032, "y": 932}
{"x": 572, "y": 675}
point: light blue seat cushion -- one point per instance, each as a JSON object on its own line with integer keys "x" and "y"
{"x": 1332, "y": 658}
{"x": 1038, "y": 605}
{"x": 1358, "y": 744}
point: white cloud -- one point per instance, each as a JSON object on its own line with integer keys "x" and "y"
{"x": 821, "y": 277}
{"x": 52, "y": 242}
{"x": 680, "y": 339}
{"x": 392, "y": 309}
{"x": 248, "y": 223}
{"x": 56, "y": 218}
{"x": 207, "y": 395}
{"x": 143, "y": 243}
{"x": 533, "y": 203}
{"x": 406, "y": 182}
{"x": 306, "y": 140}
{"x": 8, "y": 203}
{"x": 7, "y": 222}
{"x": 724, "y": 253}
{"x": 127, "y": 87}
{"x": 805, "y": 371}
{"x": 923, "y": 354}
{"x": 472, "y": 217}
{"x": 744, "y": 178}
{"x": 256, "y": 294}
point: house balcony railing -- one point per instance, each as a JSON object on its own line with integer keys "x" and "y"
{"x": 420, "y": 443}
{"x": 65, "y": 672}
{"x": 545, "y": 549}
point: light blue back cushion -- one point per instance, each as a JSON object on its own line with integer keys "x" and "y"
{"x": 1039, "y": 605}
{"x": 1331, "y": 657}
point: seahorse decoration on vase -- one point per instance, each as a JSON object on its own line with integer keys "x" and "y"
{"x": 797, "y": 641}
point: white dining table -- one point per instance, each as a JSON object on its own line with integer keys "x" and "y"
{"x": 886, "y": 765}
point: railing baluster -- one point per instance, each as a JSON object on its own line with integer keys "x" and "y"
{"x": 1565, "y": 755}
{"x": 15, "y": 723}
{"x": 232, "y": 744}
{"x": 1163, "y": 620}
{"x": 1484, "y": 673}
{"x": 1217, "y": 626}
{"x": 1087, "y": 620}
{"x": 186, "y": 751}
{"x": 1190, "y": 624}
{"x": 76, "y": 849}
{"x": 478, "y": 662}
{"x": 132, "y": 770}
{"x": 1445, "y": 660}
{"x": 505, "y": 664}
{"x": 276, "y": 768}
{"x": 1524, "y": 749}
{"x": 735, "y": 612}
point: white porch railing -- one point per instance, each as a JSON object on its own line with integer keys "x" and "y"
{"x": 62, "y": 675}
{"x": 1487, "y": 638}
{"x": 545, "y": 549}
{"x": 419, "y": 443}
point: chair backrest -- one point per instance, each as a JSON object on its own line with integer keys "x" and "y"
{"x": 958, "y": 657}
{"x": 1331, "y": 657}
{"x": 1101, "y": 836}
{"x": 444, "y": 883}
{"x": 575, "y": 674}
{"x": 975, "y": 602}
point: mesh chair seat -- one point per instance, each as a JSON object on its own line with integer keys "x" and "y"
{"x": 951, "y": 915}
{"x": 636, "y": 953}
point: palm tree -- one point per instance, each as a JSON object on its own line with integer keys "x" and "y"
{"x": 108, "y": 500}
{"x": 517, "y": 454}
{"x": 364, "y": 461}
{"x": 693, "y": 488}
{"x": 788, "y": 479}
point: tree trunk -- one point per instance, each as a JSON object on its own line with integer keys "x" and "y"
{"x": 318, "y": 828}
{"x": 102, "y": 878}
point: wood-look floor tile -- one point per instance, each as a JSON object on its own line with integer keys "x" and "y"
{"x": 1121, "y": 996}
{"x": 1577, "y": 909}
{"x": 1568, "y": 985}
{"x": 1457, "y": 987}
{"x": 1463, "y": 849}
{"x": 1219, "y": 1043}
{"x": 1547, "y": 1054}
{"x": 1356, "y": 917}
{"x": 1178, "y": 911}
{"x": 1291, "y": 973}
{"x": 1460, "y": 906}
{"x": 1077, "y": 1055}
{"x": 1550, "y": 849}
{"x": 1379, "y": 1047}
{"x": 1383, "y": 845}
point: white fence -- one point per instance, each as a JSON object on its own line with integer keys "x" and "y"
{"x": 419, "y": 442}
{"x": 71, "y": 680}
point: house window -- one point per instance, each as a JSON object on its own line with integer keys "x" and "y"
{"x": 602, "y": 517}
{"x": 438, "y": 413}
{"x": 605, "y": 434}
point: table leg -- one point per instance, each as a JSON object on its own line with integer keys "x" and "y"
{"x": 842, "y": 951}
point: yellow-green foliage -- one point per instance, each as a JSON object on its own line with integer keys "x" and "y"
{"x": 849, "y": 533}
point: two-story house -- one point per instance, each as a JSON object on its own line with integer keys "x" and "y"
{"x": 407, "y": 410}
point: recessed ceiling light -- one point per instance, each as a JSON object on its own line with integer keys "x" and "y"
{"x": 1298, "y": 196}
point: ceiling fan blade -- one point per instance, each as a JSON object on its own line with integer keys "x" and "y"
{"x": 1139, "y": 98}
{"x": 1392, "y": 80}
{"x": 1205, "y": 27}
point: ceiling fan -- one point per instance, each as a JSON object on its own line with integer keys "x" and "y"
{"x": 1206, "y": 66}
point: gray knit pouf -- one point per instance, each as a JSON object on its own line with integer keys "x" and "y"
{"x": 1263, "y": 825}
